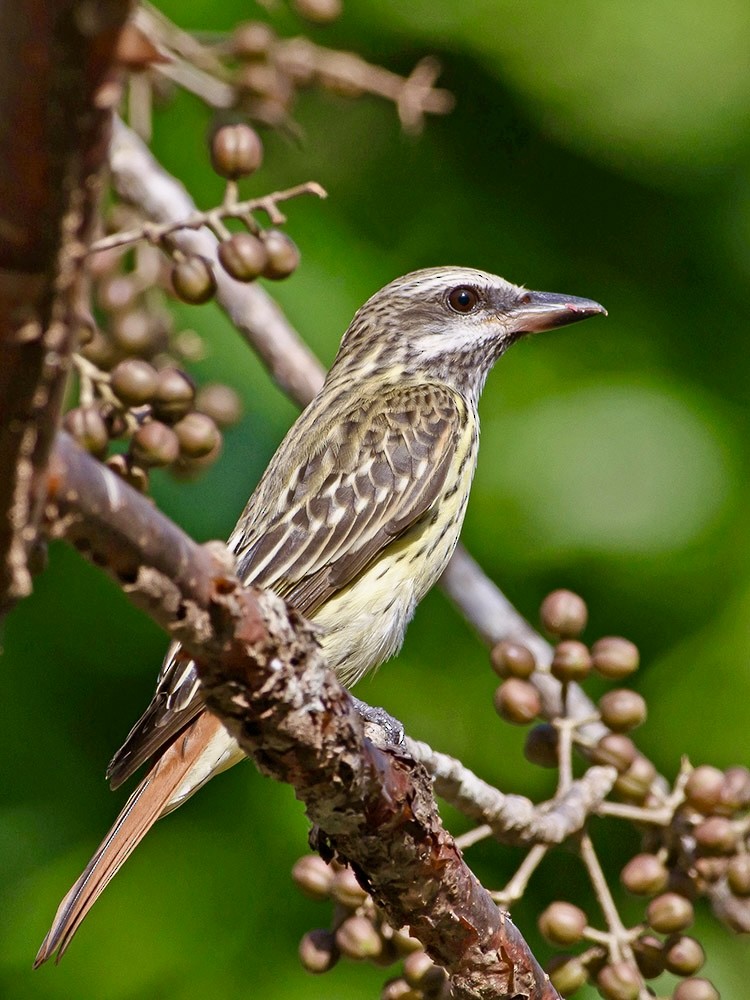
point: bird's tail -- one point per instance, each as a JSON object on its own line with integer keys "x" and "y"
{"x": 195, "y": 756}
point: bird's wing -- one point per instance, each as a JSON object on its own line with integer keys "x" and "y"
{"x": 361, "y": 483}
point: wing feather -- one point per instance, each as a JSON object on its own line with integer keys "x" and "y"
{"x": 362, "y": 481}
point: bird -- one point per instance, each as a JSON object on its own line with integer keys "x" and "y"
{"x": 354, "y": 519}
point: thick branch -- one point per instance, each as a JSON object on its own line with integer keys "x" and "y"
{"x": 264, "y": 676}
{"x": 54, "y": 98}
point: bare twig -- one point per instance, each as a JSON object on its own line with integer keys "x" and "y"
{"x": 514, "y": 819}
{"x": 229, "y": 209}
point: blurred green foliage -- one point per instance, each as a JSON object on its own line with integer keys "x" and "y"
{"x": 599, "y": 148}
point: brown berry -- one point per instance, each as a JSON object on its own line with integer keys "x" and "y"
{"x": 313, "y": 876}
{"x": 318, "y": 11}
{"x": 704, "y": 787}
{"x": 404, "y": 942}
{"x": 517, "y": 701}
{"x": 564, "y": 614}
{"x": 614, "y": 657}
{"x": 716, "y": 835}
{"x": 511, "y": 659}
{"x": 357, "y": 938}
{"x": 738, "y": 875}
{"x": 635, "y": 783}
{"x": 416, "y": 966}
{"x": 683, "y": 955}
{"x": 346, "y": 890}
{"x": 87, "y": 426}
{"x": 622, "y": 710}
{"x": 649, "y": 954}
{"x": 541, "y": 746}
{"x": 571, "y": 661}
{"x": 134, "y": 381}
{"x": 567, "y": 973}
{"x": 669, "y": 913}
{"x": 134, "y": 332}
{"x": 562, "y": 923}
{"x": 193, "y": 280}
{"x": 220, "y": 403}
{"x": 252, "y": 40}
{"x": 644, "y": 875}
{"x": 695, "y": 989}
{"x": 116, "y": 293}
{"x": 174, "y": 394}
{"x": 100, "y": 351}
{"x": 154, "y": 444}
{"x": 318, "y": 951}
{"x": 283, "y": 255}
{"x": 198, "y": 435}
{"x": 735, "y": 792}
{"x": 243, "y": 256}
{"x": 619, "y": 981}
{"x": 236, "y": 151}
{"x": 614, "y": 749}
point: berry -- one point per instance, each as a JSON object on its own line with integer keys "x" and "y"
{"x": 622, "y": 710}
{"x": 313, "y": 876}
{"x": 517, "y": 701}
{"x": 614, "y": 657}
{"x": 174, "y": 395}
{"x": 193, "y": 280}
{"x": 511, "y": 659}
{"x": 644, "y": 875}
{"x": 669, "y": 913}
{"x": 564, "y": 614}
{"x": 236, "y": 151}
{"x": 134, "y": 381}
{"x": 154, "y": 444}
{"x": 283, "y": 255}
{"x": 243, "y": 256}
{"x": 318, "y": 951}
{"x": 562, "y": 923}
{"x": 571, "y": 661}
{"x": 198, "y": 435}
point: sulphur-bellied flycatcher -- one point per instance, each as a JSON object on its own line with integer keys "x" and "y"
{"x": 353, "y": 521}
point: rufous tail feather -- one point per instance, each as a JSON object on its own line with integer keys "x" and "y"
{"x": 152, "y": 799}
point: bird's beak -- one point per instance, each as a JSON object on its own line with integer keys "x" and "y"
{"x": 538, "y": 311}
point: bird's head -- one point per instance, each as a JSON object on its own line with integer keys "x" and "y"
{"x": 452, "y": 323}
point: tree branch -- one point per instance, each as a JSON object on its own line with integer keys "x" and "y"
{"x": 263, "y": 674}
{"x": 55, "y": 95}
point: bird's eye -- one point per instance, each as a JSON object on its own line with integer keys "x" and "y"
{"x": 463, "y": 299}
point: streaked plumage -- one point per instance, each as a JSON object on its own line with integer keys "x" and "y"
{"x": 353, "y": 521}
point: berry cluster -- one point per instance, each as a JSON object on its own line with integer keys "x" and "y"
{"x": 695, "y": 841}
{"x": 359, "y": 932}
{"x": 695, "y": 835}
{"x": 132, "y": 385}
{"x": 236, "y": 152}
{"x": 132, "y": 389}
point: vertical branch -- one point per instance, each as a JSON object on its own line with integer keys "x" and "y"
{"x": 56, "y": 94}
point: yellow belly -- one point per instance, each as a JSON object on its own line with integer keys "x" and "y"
{"x": 364, "y": 624}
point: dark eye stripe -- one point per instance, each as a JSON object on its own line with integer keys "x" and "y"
{"x": 463, "y": 299}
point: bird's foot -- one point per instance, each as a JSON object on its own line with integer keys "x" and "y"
{"x": 390, "y": 732}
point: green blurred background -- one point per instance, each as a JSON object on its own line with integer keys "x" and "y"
{"x": 597, "y": 148}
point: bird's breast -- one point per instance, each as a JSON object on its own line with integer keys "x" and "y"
{"x": 363, "y": 624}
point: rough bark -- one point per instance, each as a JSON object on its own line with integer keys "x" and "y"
{"x": 56, "y": 92}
